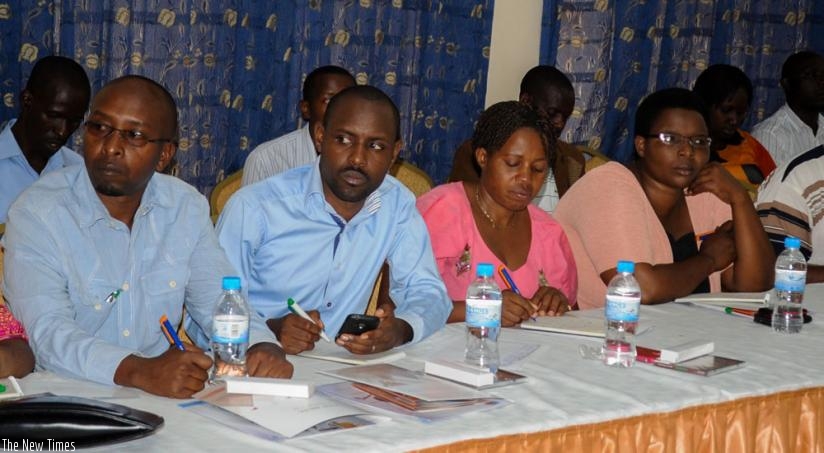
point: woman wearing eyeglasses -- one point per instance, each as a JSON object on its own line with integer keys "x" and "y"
{"x": 687, "y": 224}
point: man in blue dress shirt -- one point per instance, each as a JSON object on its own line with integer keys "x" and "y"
{"x": 52, "y": 106}
{"x": 97, "y": 253}
{"x": 320, "y": 233}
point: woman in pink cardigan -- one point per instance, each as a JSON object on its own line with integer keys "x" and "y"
{"x": 493, "y": 221}
{"x": 16, "y": 358}
{"x": 688, "y": 225}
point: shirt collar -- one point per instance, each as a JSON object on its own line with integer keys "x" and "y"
{"x": 91, "y": 209}
{"x": 8, "y": 144}
{"x": 315, "y": 194}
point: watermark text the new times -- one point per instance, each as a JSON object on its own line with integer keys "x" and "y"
{"x": 30, "y": 445}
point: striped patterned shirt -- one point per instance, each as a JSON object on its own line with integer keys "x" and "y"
{"x": 276, "y": 156}
{"x": 791, "y": 203}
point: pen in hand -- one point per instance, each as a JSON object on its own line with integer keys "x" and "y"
{"x": 510, "y": 284}
{"x": 169, "y": 331}
{"x": 295, "y": 308}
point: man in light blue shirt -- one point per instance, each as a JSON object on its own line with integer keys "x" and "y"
{"x": 52, "y": 106}
{"x": 320, "y": 233}
{"x": 96, "y": 254}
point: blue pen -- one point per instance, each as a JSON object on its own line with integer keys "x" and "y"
{"x": 169, "y": 331}
{"x": 508, "y": 279}
{"x": 511, "y": 283}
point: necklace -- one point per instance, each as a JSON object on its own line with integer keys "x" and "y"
{"x": 481, "y": 206}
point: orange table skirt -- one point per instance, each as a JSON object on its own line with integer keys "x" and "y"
{"x": 778, "y": 423}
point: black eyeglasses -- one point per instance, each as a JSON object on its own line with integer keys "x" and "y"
{"x": 698, "y": 142}
{"x": 133, "y": 138}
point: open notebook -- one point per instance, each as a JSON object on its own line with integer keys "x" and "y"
{"x": 752, "y": 301}
{"x": 588, "y": 323}
{"x": 334, "y": 353}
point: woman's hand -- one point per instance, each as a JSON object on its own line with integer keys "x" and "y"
{"x": 713, "y": 178}
{"x": 549, "y": 301}
{"x": 515, "y": 309}
{"x": 720, "y": 247}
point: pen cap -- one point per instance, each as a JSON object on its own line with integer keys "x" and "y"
{"x": 231, "y": 283}
{"x": 485, "y": 270}
{"x": 625, "y": 266}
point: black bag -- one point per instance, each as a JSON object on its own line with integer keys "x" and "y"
{"x": 82, "y": 422}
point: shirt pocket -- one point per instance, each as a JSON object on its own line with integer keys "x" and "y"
{"x": 93, "y": 309}
{"x": 165, "y": 291}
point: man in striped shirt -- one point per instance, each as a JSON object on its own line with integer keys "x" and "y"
{"x": 791, "y": 203}
{"x": 296, "y": 148}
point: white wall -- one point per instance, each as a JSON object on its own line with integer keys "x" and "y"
{"x": 515, "y": 47}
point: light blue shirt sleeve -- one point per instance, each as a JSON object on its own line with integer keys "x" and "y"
{"x": 416, "y": 287}
{"x": 65, "y": 254}
{"x": 287, "y": 242}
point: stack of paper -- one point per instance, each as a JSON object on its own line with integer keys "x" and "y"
{"x": 334, "y": 353}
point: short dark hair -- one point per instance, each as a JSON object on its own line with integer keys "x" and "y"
{"x": 537, "y": 79}
{"x": 719, "y": 82}
{"x": 49, "y": 70}
{"x": 158, "y": 90}
{"x": 497, "y": 124}
{"x": 796, "y": 63}
{"x": 366, "y": 93}
{"x": 669, "y": 98}
{"x": 310, "y": 85}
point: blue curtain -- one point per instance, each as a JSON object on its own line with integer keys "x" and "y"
{"x": 616, "y": 52}
{"x": 236, "y": 68}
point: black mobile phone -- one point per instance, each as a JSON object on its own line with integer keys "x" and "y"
{"x": 356, "y": 324}
{"x": 764, "y": 316}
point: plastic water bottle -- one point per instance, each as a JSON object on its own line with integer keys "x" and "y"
{"x": 230, "y": 331}
{"x": 790, "y": 279}
{"x": 623, "y": 304}
{"x": 483, "y": 319}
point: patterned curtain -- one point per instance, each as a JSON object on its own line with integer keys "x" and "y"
{"x": 617, "y": 51}
{"x": 236, "y": 68}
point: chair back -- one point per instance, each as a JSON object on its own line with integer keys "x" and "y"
{"x": 411, "y": 176}
{"x": 222, "y": 191}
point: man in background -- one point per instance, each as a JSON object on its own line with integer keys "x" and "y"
{"x": 796, "y": 127}
{"x": 52, "y": 106}
{"x": 297, "y": 148}
{"x": 549, "y": 91}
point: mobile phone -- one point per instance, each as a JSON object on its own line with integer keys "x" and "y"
{"x": 356, "y": 324}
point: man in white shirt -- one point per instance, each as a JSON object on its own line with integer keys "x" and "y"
{"x": 297, "y": 148}
{"x": 795, "y": 127}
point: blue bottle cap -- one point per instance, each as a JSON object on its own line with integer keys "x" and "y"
{"x": 231, "y": 283}
{"x": 485, "y": 270}
{"x": 626, "y": 266}
{"x": 792, "y": 242}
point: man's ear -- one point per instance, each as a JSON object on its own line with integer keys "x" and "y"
{"x": 396, "y": 151}
{"x": 525, "y": 98}
{"x": 481, "y": 156}
{"x": 167, "y": 153}
{"x": 640, "y": 145}
{"x": 317, "y": 136}
{"x": 304, "y": 110}
{"x": 26, "y": 98}
{"x": 785, "y": 84}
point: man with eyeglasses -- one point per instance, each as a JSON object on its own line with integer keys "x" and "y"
{"x": 97, "y": 254}
{"x": 52, "y": 106}
{"x": 796, "y": 127}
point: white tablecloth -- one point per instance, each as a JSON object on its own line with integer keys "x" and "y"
{"x": 563, "y": 389}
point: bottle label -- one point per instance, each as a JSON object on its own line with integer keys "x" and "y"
{"x": 230, "y": 329}
{"x": 622, "y": 308}
{"x": 788, "y": 280}
{"x": 483, "y": 312}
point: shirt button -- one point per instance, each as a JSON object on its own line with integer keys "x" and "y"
{"x": 126, "y": 332}
{"x": 125, "y": 286}
{"x": 328, "y": 304}
{"x": 172, "y": 284}
{"x": 97, "y": 306}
